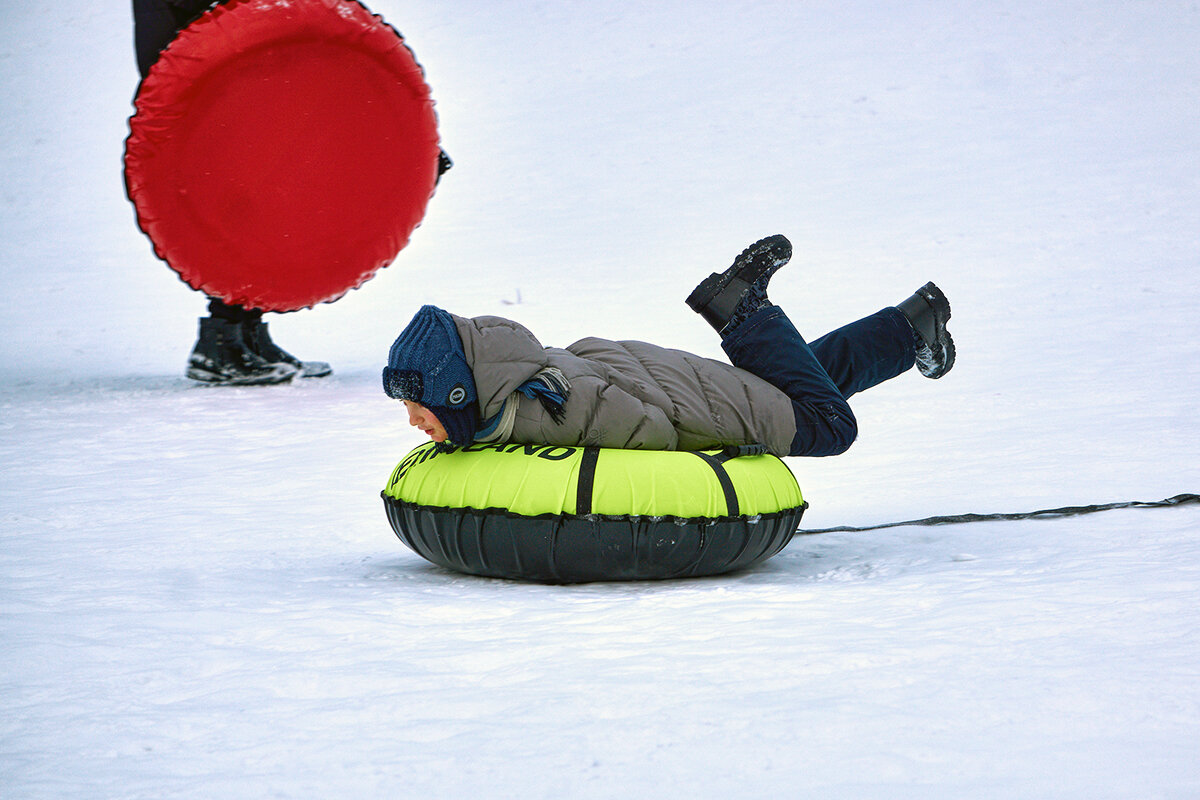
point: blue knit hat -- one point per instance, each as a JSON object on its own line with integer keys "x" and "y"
{"x": 427, "y": 365}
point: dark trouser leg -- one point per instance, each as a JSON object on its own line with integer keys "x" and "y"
{"x": 820, "y": 377}
{"x": 234, "y": 313}
{"x": 155, "y": 23}
{"x": 867, "y": 352}
{"x": 769, "y": 346}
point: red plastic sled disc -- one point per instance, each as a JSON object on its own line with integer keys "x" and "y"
{"x": 282, "y": 152}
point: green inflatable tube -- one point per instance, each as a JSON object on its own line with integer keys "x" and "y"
{"x": 558, "y": 514}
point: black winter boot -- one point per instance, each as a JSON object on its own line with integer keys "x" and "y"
{"x": 258, "y": 339}
{"x": 727, "y": 298}
{"x": 927, "y": 311}
{"x": 222, "y": 358}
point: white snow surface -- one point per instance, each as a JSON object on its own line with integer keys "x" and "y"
{"x": 200, "y": 595}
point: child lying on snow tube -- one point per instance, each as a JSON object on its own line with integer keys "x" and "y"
{"x": 487, "y": 379}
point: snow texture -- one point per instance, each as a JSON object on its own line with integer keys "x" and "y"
{"x": 200, "y": 596}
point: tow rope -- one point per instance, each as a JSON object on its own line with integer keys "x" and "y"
{"x": 1051, "y": 513}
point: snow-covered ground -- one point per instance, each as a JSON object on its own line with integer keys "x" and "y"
{"x": 199, "y": 593}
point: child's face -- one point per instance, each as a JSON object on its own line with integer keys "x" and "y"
{"x": 421, "y": 417}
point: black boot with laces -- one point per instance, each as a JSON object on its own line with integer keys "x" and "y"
{"x": 727, "y": 298}
{"x": 258, "y": 339}
{"x": 221, "y": 357}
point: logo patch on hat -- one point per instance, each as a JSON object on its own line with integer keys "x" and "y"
{"x": 457, "y": 395}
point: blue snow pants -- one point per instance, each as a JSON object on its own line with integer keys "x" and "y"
{"x": 820, "y": 377}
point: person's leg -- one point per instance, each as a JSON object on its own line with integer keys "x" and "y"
{"x": 867, "y": 352}
{"x": 227, "y": 349}
{"x": 232, "y": 312}
{"x": 766, "y": 344}
{"x": 221, "y": 355}
{"x": 760, "y": 339}
{"x": 257, "y": 339}
{"x": 155, "y": 23}
{"x": 877, "y": 348}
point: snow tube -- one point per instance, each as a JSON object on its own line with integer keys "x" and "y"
{"x": 281, "y": 153}
{"x": 573, "y": 514}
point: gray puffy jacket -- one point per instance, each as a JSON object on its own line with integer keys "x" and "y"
{"x": 629, "y": 395}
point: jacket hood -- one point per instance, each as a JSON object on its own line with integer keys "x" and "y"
{"x": 503, "y": 355}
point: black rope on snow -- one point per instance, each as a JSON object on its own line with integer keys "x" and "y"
{"x": 1051, "y": 513}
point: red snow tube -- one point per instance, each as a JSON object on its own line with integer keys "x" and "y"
{"x": 281, "y": 153}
